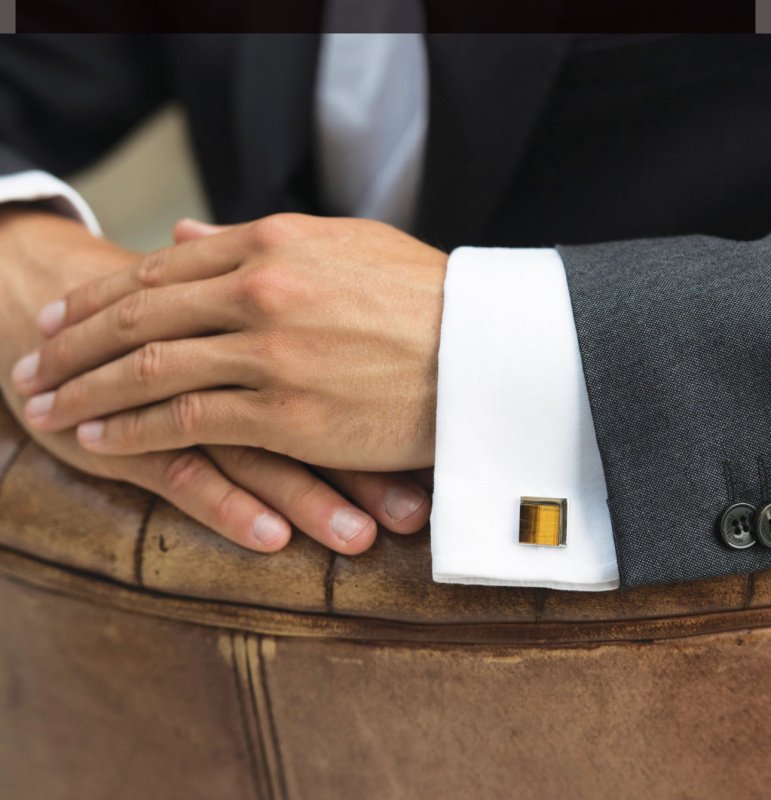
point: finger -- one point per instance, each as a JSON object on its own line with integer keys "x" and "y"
{"x": 190, "y": 481}
{"x": 157, "y": 371}
{"x": 214, "y": 416}
{"x": 302, "y": 497}
{"x": 188, "y": 229}
{"x": 197, "y": 259}
{"x": 425, "y": 477}
{"x": 396, "y": 500}
{"x": 142, "y": 317}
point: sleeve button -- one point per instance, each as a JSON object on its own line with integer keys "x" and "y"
{"x": 737, "y": 525}
{"x": 763, "y": 525}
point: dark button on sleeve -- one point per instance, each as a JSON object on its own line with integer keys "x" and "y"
{"x": 737, "y": 526}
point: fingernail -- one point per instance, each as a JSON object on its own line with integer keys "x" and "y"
{"x": 51, "y": 316}
{"x": 91, "y": 431}
{"x": 347, "y": 523}
{"x": 268, "y": 528}
{"x": 26, "y": 368}
{"x": 40, "y": 404}
{"x": 401, "y": 501}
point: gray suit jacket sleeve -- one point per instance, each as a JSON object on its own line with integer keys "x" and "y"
{"x": 64, "y": 100}
{"x": 675, "y": 338}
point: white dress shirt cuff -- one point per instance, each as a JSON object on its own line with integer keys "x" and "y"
{"x": 513, "y": 420}
{"x": 36, "y": 185}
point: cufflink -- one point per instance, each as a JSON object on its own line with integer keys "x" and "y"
{"x": 543, "y": 521}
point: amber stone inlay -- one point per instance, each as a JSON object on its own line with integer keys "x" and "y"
{"x": 543, "y": 521}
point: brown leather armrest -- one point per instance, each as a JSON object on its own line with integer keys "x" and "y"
{"x": 56, "y": 514}
{"x": 141, "y": 655}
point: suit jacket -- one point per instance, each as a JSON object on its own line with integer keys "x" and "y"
{"x": 646, "y": 159}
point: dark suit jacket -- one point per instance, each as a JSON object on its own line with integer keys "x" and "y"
{"x": 648, "y": 159}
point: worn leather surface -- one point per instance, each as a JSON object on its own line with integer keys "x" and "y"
{"x": 102, "y": 702}
{"x": 54, "y": 513}
{"x": 143, "y": 656}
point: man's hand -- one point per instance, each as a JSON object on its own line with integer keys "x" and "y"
{"x": 312, "y": 337}
{"x": 247, "y": 495}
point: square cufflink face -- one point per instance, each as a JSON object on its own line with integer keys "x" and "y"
{"x": 543, "y": 521}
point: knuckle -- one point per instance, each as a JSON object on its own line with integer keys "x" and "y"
{"x": 90, "y": 298}
{"x": 58, "y": 355}
{"x": 146, "y": 362}
{"x": 72, "y": 398}
{"x": 269, "y": 289}
{"x": 247, "y": 289}
{"x": 307, "y": 492}
{"x": 256, "y": 231}
{"x": 152, "y": 268}
{"x": 225, "y": 506}
{"x": 184, "y": 470}
{"x": 186, "y": 412}
{"x": 274, "y": 228}
{"x": 130, "y": 311}
{"x": 129, "y": 429}
{"x": 245, "y": 459}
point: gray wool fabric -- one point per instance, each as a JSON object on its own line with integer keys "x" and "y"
{"x": 675, "y": 338}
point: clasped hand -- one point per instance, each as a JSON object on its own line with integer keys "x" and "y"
{"x": 309, "y": 337}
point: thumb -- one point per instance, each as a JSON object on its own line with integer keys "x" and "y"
{"x": 188, "y": 229}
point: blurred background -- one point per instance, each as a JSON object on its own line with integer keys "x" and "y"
{"x": 146, "y": 183}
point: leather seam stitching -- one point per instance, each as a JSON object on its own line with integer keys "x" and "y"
{"x": 685, "y": 622}
{"x": 271, "y": 723}
{"x": 256, "y": 710}
{"x": 139, "y": 544}
{"x": 250, "y": 746}
{"x": 329, "y": 582}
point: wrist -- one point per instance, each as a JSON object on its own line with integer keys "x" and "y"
{"x": 43, "y": 255}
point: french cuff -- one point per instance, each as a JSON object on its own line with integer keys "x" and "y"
{"x": 36, "y": 185}
{"x": 513, "y": 421}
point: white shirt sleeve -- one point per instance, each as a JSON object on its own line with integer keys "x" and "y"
{"x": 35, "y": 185}
{"x": 513, "y": 420}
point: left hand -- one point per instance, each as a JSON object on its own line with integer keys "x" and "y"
{"x": 307, "y": 336}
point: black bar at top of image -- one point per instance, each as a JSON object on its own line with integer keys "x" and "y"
{"x": 442, "y": 16}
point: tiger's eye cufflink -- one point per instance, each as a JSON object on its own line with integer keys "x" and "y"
{"x": 543, "y": 521}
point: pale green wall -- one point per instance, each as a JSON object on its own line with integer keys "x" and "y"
{"x": 145, "y": 184}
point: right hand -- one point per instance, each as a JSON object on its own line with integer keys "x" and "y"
{"x": 248, "y": 495}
